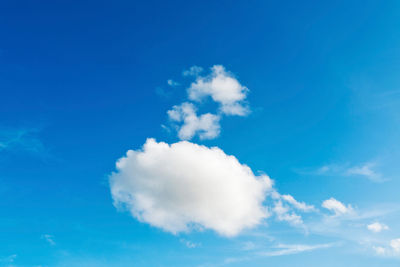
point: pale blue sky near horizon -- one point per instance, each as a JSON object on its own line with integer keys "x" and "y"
{"x": 81, "y": 83}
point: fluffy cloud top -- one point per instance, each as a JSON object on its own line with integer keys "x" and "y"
{"x": 223, "y": 88}
{"x": 377, "y": 227}
{"x": 336, "y": 206}
{"x": 206, "y": 125}
{"x": 178, "y": 186}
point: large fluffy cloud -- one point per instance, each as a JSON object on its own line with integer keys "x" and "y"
{"x": 178, "y": 186}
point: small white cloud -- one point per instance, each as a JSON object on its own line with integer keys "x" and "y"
{"x": 283, "y": 213}
{"x": 192, "y": 71}
{"x": 49, "y": 239}
{"x": 366, "y": 171}
{"x": 298, "y": 205}
{"x": 223, "y": 88}
{"x": 377, "y": 227}
{"x": 172, "y": 83}
{"x": 336, "y": 206}
{"x": 206, "y": 126}
{"x": 178, "y": 186}
{"x": 189, "y": 244}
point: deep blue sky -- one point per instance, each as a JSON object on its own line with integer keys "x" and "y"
{"x": 80, "y": 84}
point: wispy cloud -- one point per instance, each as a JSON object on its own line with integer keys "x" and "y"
{"x": 49, "y": 239}
{"x": 284, "y": 206}
{"x": 366, "y": 170}
{"x": 21, "y": 139}
{"x": 286, "y": 249}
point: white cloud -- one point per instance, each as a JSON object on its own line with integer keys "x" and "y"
{"x": 336, "y": 206}
{"x": 49, "y": 239}
{"x": 284, "y": 249}
{"x": 377, "y": 227}
{"x": 298, "y": 205}
{"x": 283, "y": 208}
{"x": 283, "y": 213}
{"x": 367, "y": 171}
{"x": 392, "y": 250}
{"x": 184, "y": 185}
{"x": 206, "y": 125}
{"x": 223, "y": 88}
{"x": 189, "y": 244}
{"x": 395, "y": 245}
{"x": 192, "y": 71}
{"x": 172, "y": 83}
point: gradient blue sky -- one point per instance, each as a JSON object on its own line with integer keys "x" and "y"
{"x": 83, "y": 82}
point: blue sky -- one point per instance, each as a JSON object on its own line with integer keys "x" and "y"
{"x": 262, "y": 133}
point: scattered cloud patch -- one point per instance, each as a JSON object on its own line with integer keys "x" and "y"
{"x": 283, "y": 213}
{"x": 206, "y": 126}
{"x": 284, "y": 206}
{"x": 377, "y": 227}
{"x": 220, "y": 86}
{"x": 337, "y": 207}
{"x": 223, "y": 88}
{"x": 391, "y": 250}
{"x": 192, "y": 71}
{"x": 183, "y": 185}
{"x": 395, "y": 245}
